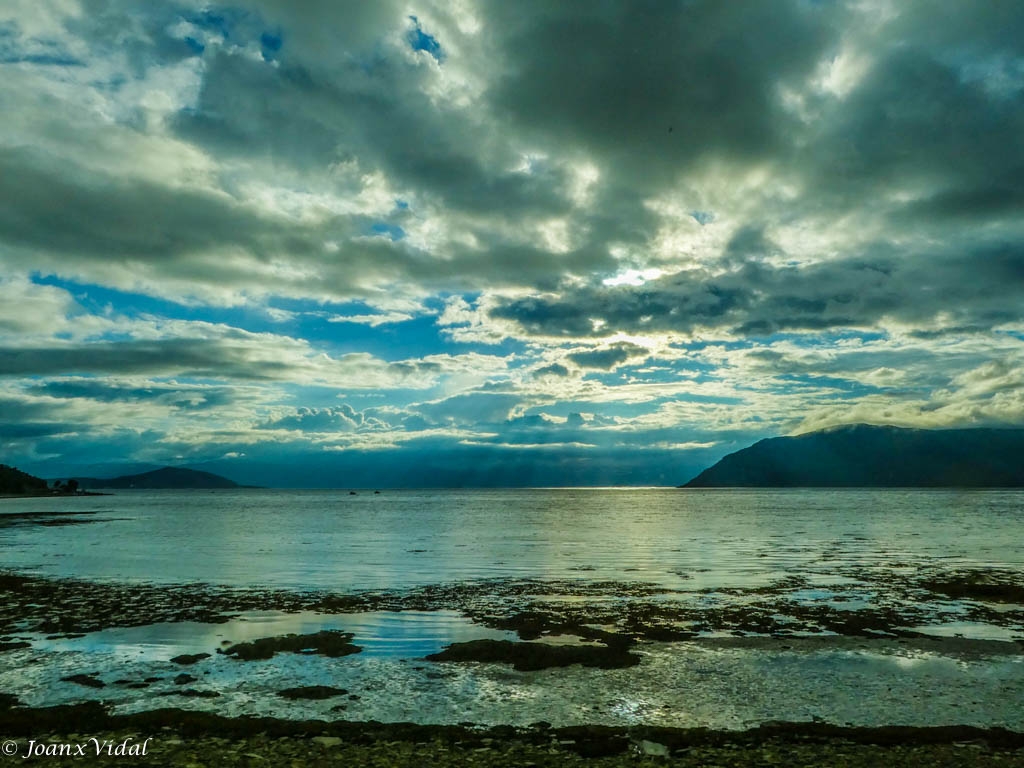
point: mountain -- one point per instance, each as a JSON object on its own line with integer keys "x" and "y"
{"x": 870, "y": 456}
{"x": 167, "y": 477}
{"x": 15, "y": 482}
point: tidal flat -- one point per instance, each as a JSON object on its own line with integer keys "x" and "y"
{"x": 511, "y": 652}
{"x": 839, "y": 644}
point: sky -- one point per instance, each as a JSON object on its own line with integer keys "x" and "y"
{"x": 466, "y": 242}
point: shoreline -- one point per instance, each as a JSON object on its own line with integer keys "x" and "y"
{"x": 180, "y": 737}
{"x": 531, "y": 608}
{"x": 61, "y": 607}
{"x": 49, "y": 495}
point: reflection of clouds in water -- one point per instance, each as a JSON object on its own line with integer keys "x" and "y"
{"x": 676, "y": 685}
{"x": 972, "y": 630}
{"x": 406, "y": 634}
{"x": 688, "y": 540}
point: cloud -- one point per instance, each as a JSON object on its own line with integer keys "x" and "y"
{"x": 652, "y": 93}
{"x": 470, "y": 408}
{"x": 28, "y": 308}
{"x": 607, "y": 358}
{"x": 203, "y": 350}
{"x": 343, "y": 418}
{"x": 490, "y": 229}
{"x": 555, "y": 369}
{"x": 758, "y": 298}
{"x": 181, "y": 396}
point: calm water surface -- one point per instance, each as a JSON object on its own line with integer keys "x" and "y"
{"x": 397, "y": 539}
{"x": 835, "y": 541}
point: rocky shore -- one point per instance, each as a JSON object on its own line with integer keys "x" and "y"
{"x": 179, "y": 738}
{"x": 532, "y": 608}
{"x": 596, "y": 633}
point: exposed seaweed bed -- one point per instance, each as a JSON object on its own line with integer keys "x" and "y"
{"x": 604, "y": 633}
{"x": 532, "y": 608}
{"x": 192, "y": 738}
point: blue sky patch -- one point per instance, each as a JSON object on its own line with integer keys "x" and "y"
{"x": 422, "y": 41}
{"x": 270, "y": 44}
{"x": 393, "y": 231}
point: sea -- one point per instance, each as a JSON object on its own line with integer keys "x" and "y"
{"x": 785, "y": 550}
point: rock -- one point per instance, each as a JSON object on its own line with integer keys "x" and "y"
{"x": 329, "y": 642}
{"x": 192, "y": 693}
{"x": 327, "y": 741}
{"x": 189, "y": 658}
{"x": 89, "y": 681}
{"x": 311, "y": 692}
{"x": 653, "y": 748}
{"x": 184, "y": 679}
{"x": 533, "y": 656}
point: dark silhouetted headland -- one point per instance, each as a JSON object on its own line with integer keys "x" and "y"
{"x": 870, "y": 456}
{"x": 165, "y": 478}
{"x": 14, "y": 482}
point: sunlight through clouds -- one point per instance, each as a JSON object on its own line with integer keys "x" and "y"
{"x": 477, "y": 230}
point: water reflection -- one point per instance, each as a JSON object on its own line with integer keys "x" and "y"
{"x": 402, "y": 635}
{"x": 680, "y": 539}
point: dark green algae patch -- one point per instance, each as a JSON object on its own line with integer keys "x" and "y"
{"x": 328, "y": 642}
{"x": 312, "y": 692}
{"x": 989, "y": 585}
{"x": 528, "y": 657}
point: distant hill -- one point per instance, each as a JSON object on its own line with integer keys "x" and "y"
{"x": 15, "y": 482}
{"x": 869, "y": 456}
{"x": 165, "y": 478}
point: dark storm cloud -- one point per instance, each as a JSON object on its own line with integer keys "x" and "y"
{"x": 646, "y": 91}
{"x": 192, "y": 357}
{"x": 185, "y": 397}
{"x": 90, "y": 223}
{"x": 224, "y": 354}
{"x": 20, "y": 429}
{"x": 920, "y": 121}
{"x": 930, "y": 135}
{"x": 651, "y": 87}
{"x": 23, "y": 419}
{"x": 371, "y": 111}
{"x": 57, "y": 206}
{"x": 758, "y": 298}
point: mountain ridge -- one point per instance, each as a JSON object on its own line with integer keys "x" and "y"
{"x": 161, "y": 479}
{"x": 866, "y": 456}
